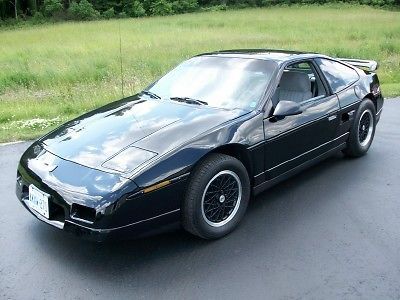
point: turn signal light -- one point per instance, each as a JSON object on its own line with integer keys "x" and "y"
{"x": 156, "y": 186}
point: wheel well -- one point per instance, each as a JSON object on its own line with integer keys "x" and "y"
{"x": 239, "y": 152}
{"x": 372, "y": 98}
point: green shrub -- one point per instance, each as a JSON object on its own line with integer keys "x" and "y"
{"x": 183, "y": 6}
{"x": 137, "y": 9}
{"x": 52, "y": 8}
{"x": 161, "y": 8}
{"x": 215, "y": 8}
{"x": 122, "y": 15}
{"x": 83, "y": 11}
{"x": 9, "y": 22}
{"x": 38, "y": 18}
{"x": 109, "y": 13}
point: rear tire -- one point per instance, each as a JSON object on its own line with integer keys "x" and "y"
{"x": 362, "y": 131}
{"x": 217, "y": 197}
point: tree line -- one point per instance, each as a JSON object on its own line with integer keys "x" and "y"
{"x": 44, "y": 10}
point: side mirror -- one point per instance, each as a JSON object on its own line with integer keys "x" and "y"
{"x": 287, "y": 108}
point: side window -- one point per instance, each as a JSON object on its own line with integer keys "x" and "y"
{"x": 338, "y": 75}
{"x": 299, "y": 83}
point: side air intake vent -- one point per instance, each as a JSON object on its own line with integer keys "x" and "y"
{"x": 83, "y": 213}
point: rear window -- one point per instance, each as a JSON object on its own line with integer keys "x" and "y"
{"x": 339, "y": 76}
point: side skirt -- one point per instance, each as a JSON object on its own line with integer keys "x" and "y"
{"x": 269, "y": 183}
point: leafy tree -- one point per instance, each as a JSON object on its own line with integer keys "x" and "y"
{"x": 83, "y": 11}
{"x": 103, "y": 5}
{"x": 52, "y": 8}
{"x": 109, "y": 13}
{"x": 91, "y": 9}
{"x": 137, "y": 9}
{"x": 161, "y": 8}
{"x": 182, "y": 6}
{"x": 13, "y": 3}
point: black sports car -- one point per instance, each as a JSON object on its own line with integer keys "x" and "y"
{"x": 193, "y": 147}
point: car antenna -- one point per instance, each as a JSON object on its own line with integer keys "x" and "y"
{"x": 120, "y": 58}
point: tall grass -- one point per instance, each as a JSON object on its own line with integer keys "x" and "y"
{"x": 53, "y": 72}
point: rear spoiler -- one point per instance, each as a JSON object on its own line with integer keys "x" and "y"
{"x": 367, "y": 65}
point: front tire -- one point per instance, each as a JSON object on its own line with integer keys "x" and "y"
{"x": 217, "y": 197}
{"x": 362, "y": 131}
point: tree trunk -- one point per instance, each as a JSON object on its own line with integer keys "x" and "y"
{"x": 16, "y": 9}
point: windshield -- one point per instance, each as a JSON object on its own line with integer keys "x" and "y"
{"x": 223, "y": 82}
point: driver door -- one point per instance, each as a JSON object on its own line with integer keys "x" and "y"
{"x": 293, "y": 140}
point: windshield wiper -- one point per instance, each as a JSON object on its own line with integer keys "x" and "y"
{"x": 189, "y": 100}
{"x": 151, "y": 94}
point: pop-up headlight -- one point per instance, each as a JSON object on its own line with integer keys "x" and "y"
{"x": 129, "y": 159}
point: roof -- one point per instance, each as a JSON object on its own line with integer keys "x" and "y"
{"x": 265, "y": 54}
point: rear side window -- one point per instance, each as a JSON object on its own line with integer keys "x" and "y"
{"x": 338, "y": 75}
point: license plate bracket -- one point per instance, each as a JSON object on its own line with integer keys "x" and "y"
{"x": 38, "y": 201}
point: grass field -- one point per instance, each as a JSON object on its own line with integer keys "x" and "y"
{"x": 51, "y": 73}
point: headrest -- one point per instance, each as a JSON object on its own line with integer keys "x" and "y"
{"x": 295, "y": 81}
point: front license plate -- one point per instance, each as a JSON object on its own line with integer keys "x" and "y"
{"x": 39, "y": 201}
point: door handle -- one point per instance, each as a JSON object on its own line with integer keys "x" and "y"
{"x": 331, "y": 118}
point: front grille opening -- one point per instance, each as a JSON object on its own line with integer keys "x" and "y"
{"x": 57, "y": 212}
{"x": 83, "y": 213}
{"x": 21, "y": 187}
{"x": 25, "y": 191}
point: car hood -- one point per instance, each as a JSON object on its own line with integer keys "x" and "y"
{"x": 141, "y": 128}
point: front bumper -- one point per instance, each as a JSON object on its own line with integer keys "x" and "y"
{"x": 157, "y": 224}
{"x": 130, "y": 217}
